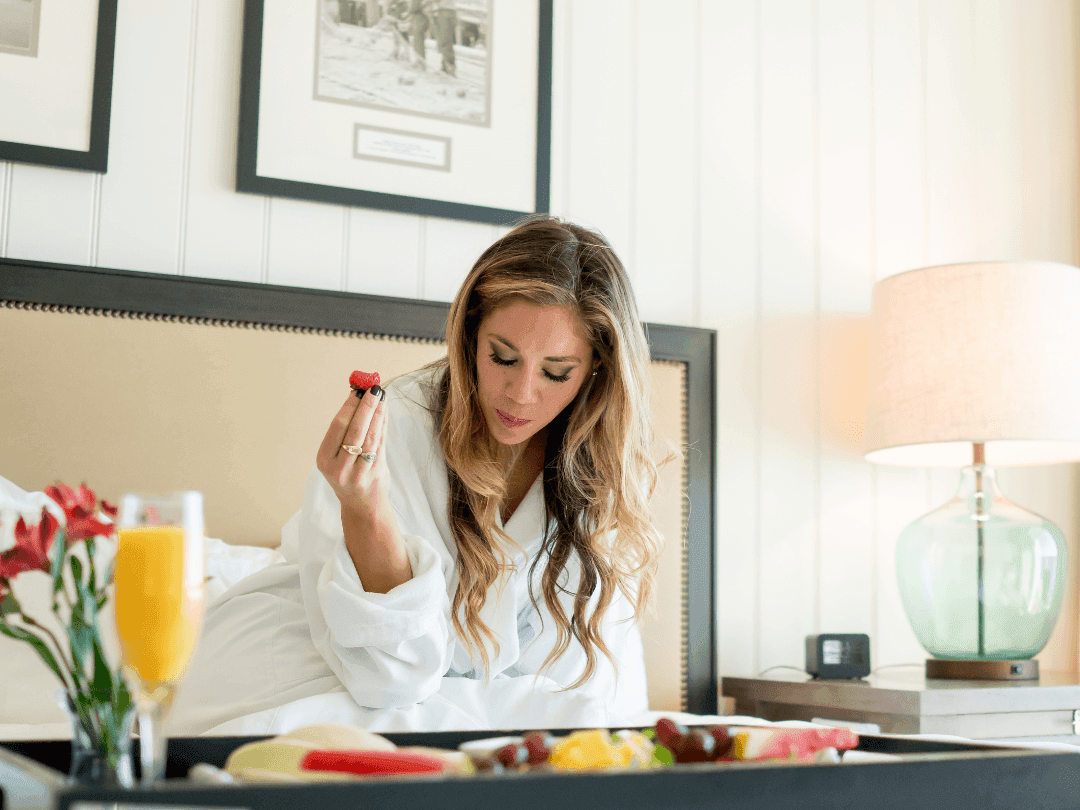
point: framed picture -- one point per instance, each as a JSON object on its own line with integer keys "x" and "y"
{"x": 432, "y": 107}
{"x": 56, "y": 60}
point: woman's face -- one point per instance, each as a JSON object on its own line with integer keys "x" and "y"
{"x": 531, "y": 361}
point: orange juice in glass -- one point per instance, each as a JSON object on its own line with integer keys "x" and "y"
{"x": 159, "y": 597}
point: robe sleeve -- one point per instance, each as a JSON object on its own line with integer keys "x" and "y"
{"x": 392, "y": 649}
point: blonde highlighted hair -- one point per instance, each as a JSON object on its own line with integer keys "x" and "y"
{"x": 599, "y": 470}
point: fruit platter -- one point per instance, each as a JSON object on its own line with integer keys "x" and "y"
{"x": 667, "y": 765}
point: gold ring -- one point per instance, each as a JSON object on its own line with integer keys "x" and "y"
{"x": 369, "y": 456}
{"x": 352, "y": 449}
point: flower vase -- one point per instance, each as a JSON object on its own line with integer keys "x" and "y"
{"x": 100, "y": 754}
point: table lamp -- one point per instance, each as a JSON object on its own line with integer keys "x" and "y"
{"x": 973, "y": 365}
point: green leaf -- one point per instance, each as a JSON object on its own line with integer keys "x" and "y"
{"x": 57, "y": 564}
{"x": 42, "y": 650}
{"x": 102, "y": 686}
{"x": 81, "y": 636}
{"x": 9, "y": 605}
{"x": 87, "y": 603}
{"x": 76, "y": 569}
{"x": 121, "y": 699}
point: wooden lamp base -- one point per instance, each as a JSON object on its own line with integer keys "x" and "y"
{"x": 1027, "y": 670}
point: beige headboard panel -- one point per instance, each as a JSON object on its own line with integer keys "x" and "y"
{"x": 129, "y": 403}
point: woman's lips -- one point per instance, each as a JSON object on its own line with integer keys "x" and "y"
{"x": 511, "y": 421}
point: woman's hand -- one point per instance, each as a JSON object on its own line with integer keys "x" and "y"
{"x": 362, "y": 485}
{"x": 357, "y": 482}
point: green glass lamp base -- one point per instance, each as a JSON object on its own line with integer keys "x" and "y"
{"x": 1023, "y": 670}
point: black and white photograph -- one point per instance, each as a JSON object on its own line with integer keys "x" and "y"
{"x": 19, "y": 21}
{"x": 56, "y": 103}
{"x": 429, "y": 58}
{"x": 402, "y": 105}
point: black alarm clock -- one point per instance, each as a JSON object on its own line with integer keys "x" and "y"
{"x": 838, "y": 656}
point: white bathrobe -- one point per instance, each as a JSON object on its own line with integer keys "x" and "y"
{"x": 302, "y": 641}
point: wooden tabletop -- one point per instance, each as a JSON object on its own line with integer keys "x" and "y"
{"x": 908, "y": 691}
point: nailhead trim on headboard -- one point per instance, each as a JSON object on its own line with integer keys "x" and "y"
{"x": 684, "y": 536}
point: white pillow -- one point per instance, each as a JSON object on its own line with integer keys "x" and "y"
{"x": 10, "y": 489}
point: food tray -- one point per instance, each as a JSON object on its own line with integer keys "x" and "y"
{"x": 956, "y": 776}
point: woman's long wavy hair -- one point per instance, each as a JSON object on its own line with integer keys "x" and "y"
{"x": 599, "y": 465}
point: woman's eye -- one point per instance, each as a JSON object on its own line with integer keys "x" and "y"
{"x": 509, "y": 361}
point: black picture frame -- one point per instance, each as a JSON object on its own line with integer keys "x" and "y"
{"x": 96, "y": 157}
{"x": 249, "y": 180}
{"x": 94, "y": 288}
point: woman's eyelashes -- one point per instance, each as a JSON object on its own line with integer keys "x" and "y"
{"x": 509, "y": 361}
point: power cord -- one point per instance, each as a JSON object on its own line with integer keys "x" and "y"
{"x": 782, "y": 666}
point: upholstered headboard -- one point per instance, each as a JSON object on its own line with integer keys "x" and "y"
{"x": 135, "y": 381}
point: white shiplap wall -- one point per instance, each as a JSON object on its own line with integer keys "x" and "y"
{"x": 758, "y": 164}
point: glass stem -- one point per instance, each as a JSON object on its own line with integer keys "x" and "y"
{"x": 153, "y": 714}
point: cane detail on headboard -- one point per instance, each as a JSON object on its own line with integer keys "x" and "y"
{"x": 214, "y": 400}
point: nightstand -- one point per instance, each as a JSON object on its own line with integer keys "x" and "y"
{"x": 905, "y": 702}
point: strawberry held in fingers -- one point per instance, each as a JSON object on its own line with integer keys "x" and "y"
{"x": 361, "y": 381}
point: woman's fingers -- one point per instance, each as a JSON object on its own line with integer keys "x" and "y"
{"x": 358, "y": 428}
{"x": 377, "y": 432}
{"x": 349, "y": 427}
{"x": 335, "y": 434}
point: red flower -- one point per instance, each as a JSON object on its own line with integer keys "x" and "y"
{"x": 78, "y": 505}
{"x": 31, "y": 552}
{"x": 108, "y": 508}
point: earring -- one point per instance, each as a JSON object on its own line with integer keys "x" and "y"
{"x": 594, "y": 373}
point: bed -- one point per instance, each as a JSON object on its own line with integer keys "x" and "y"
{"x": 158, "y": 383}
{"x": 155, "y": 382}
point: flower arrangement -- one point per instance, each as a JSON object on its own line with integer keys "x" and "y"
{"x": 55, "y": 532}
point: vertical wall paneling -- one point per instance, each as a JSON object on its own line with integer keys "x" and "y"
{"x": 383, "y": 254}
{"x": 1047, "y": 123}
{"x": 92, "y": 255}
{"x": 789, "y": 339}
{"x": 630, "y": 251}
{"x": 899, "y": 204}
{"x": 596, "y": 107}
{"x": 223, "y": 230}
{"x": 729, "y": 256}
{"x": 51, "y": 214}
{"x": 996, "y": 94}
{"x": 305, "y": 244}
{"x": 758, "y": 164}
{"x": 953, "y": 134}
{"x": 1044, "y": 45}
{"x": 152, "y": 87}
{"x": 844, "y": 248}
{"x": 664, "y": 123}
{"x": 5, "y": 204}
{"x": 450, "y": 250}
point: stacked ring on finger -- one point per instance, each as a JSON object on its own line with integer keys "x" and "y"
{"x": 352, "y": 449}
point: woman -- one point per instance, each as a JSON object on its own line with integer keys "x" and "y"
{"x": 475, "y": 543}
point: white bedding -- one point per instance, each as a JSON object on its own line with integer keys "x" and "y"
{"x": 29, "y": 708}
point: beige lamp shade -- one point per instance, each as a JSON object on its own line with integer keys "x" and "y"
{"x": 967, "y": 353}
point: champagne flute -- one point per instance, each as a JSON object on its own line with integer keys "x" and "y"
{"x": 159, "y": 601}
